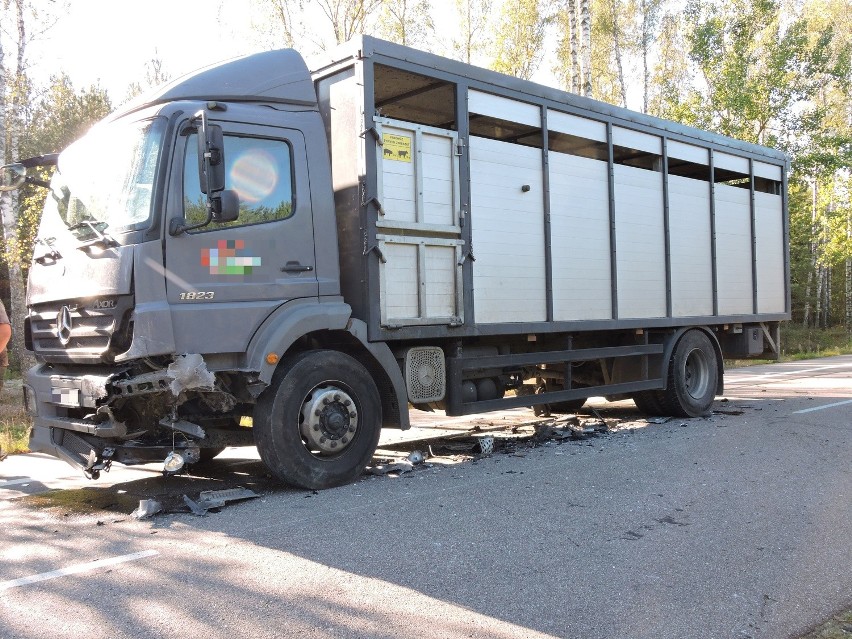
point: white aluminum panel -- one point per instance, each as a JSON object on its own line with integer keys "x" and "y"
{"x": 769, "y": 247}
{"x": 688, "y": 152}
{"x": 690, "y": 245}
{"x": 400, "y": 283}
{"x": 503, "y": 108}
{"x": 439, "y": 291}
{"x": 437, "y": 159}
{"x": 636, "y": 140}
{"x": 420, "y": 280}
{"x": 768, "y": 171}
{"x": 580, "y": 238}
{"x": 507, "y": 227}
{"x": 733, "y": 250}
{"x": 730, "y": 162}
{"x": 574, "y": 125}
{"x": 640, "y": 243}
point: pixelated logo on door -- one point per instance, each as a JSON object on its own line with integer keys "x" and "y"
{"x": 224, "y": 260}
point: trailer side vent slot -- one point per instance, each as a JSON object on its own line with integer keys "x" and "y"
{"x": 425, "y": 374}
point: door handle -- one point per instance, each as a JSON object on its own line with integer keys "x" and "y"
{"x": 296, "y": 267}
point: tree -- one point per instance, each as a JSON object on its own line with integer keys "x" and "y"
{"x": 13, "y": 103}
{"x": 574, "y": 55}
{"x": 586, "y": 47}
{"x": 472, "y": 29}
{"x": 155, "y": 75}
{"x": 348, "y": 17}
{"x": 58, "y": 117}
{"x": 649, "y": 19}
{"x": 407, "y": 22}
{"x": 520, "y": 37}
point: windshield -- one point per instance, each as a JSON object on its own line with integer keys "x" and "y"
{"x": 105, "y": 179}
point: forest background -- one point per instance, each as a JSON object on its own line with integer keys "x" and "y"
{"x": 772, "y": 72}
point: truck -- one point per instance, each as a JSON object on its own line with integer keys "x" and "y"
{"x": 294, "y": 257}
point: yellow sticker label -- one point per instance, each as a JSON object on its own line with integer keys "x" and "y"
{"x": 396, "y": 147}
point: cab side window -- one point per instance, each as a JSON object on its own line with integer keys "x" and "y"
{"x": 259, "y": 170}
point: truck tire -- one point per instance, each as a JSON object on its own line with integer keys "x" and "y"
{"x": 318, "y": 423}
{"x": 693, "y": 377}
{"x": 648, "y": 402}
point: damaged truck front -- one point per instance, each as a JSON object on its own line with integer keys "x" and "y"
{"x": 259, "y": 254}
{"x": 164, "y": 289}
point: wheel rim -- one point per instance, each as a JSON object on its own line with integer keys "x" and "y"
{"x": 697, "y": 373}
{"x": 329, "y": 420}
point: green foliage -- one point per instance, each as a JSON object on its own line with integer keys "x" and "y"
{"x": 520, "y": 37}
{"x": 57, "y": 118}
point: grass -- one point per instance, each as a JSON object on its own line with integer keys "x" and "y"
{"x": 798, "y": 342}
{"x": 15, "y": 423}
{"x": 838, "y": 627}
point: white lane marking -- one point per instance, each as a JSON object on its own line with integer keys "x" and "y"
{"x": 810, "y": 410}
{"x": 76, "y": 569}
{"x": 16, "y": 482}
{"x": 757, "y": 378}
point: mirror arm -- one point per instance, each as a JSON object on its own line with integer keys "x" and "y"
{"x": 37, "y": 182}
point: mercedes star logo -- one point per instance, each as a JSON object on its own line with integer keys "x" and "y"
{"x": 63, "y": 325}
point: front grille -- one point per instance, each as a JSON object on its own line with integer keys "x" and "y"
{"x": 89, "y": 337}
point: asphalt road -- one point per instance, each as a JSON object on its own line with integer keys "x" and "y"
{"x": 736, "y": 525}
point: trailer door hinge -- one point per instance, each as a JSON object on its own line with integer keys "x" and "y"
{"x": 468, "y": 254}
{"x": 378, "y": 251}
{"x": 374, "y": 132}
{"x": 460, "y": 147}
{"x": 375, "y": 200}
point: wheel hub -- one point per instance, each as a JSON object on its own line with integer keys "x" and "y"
{"x": 329, "y": 419}
{"x": 697, "y": 373}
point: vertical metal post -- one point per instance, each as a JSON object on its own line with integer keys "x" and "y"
{"x": 752, "y": 209}
{"x": 463, "y": 128}
{"x": 548, "y": 247}
{"x": 714, "y": 270}
{"x": 666, "y": 229}
{"x": 613, "y": 250}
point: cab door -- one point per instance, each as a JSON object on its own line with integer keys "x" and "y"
{"x": 223, "y": 280}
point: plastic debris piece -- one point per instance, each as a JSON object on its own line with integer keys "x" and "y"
{"x": 396, "y": 467}
{"x": 416, "y": 457}
{"x": 218, "y": 498}
{"x": 190, "y": 371}
{"x": 658, "y": 420}
{"x": 147, "y": 508}
{"x": 485, "y": 445}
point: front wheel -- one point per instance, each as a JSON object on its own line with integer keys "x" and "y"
{"x": 693, "y": 377}
{"x": 318, "y": 423}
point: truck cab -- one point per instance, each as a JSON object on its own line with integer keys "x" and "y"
{"x": 156, "y": 311}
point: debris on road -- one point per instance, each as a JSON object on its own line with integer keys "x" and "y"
{"x": 147, "y": 508}
{"x": 400, "y": 467}
{"x": 211, "y": 499}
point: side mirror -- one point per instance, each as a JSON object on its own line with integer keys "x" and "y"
{"x": 211, "y": 157}
{"x": 12, "y": 176}
{"x": 226, "y": 206}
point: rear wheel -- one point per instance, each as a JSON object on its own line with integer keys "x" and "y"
{"x": 693, "y": 377}
{"x": 318, "y": 423}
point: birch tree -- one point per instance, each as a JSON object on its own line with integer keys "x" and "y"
{"x": 586, "y": 47}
